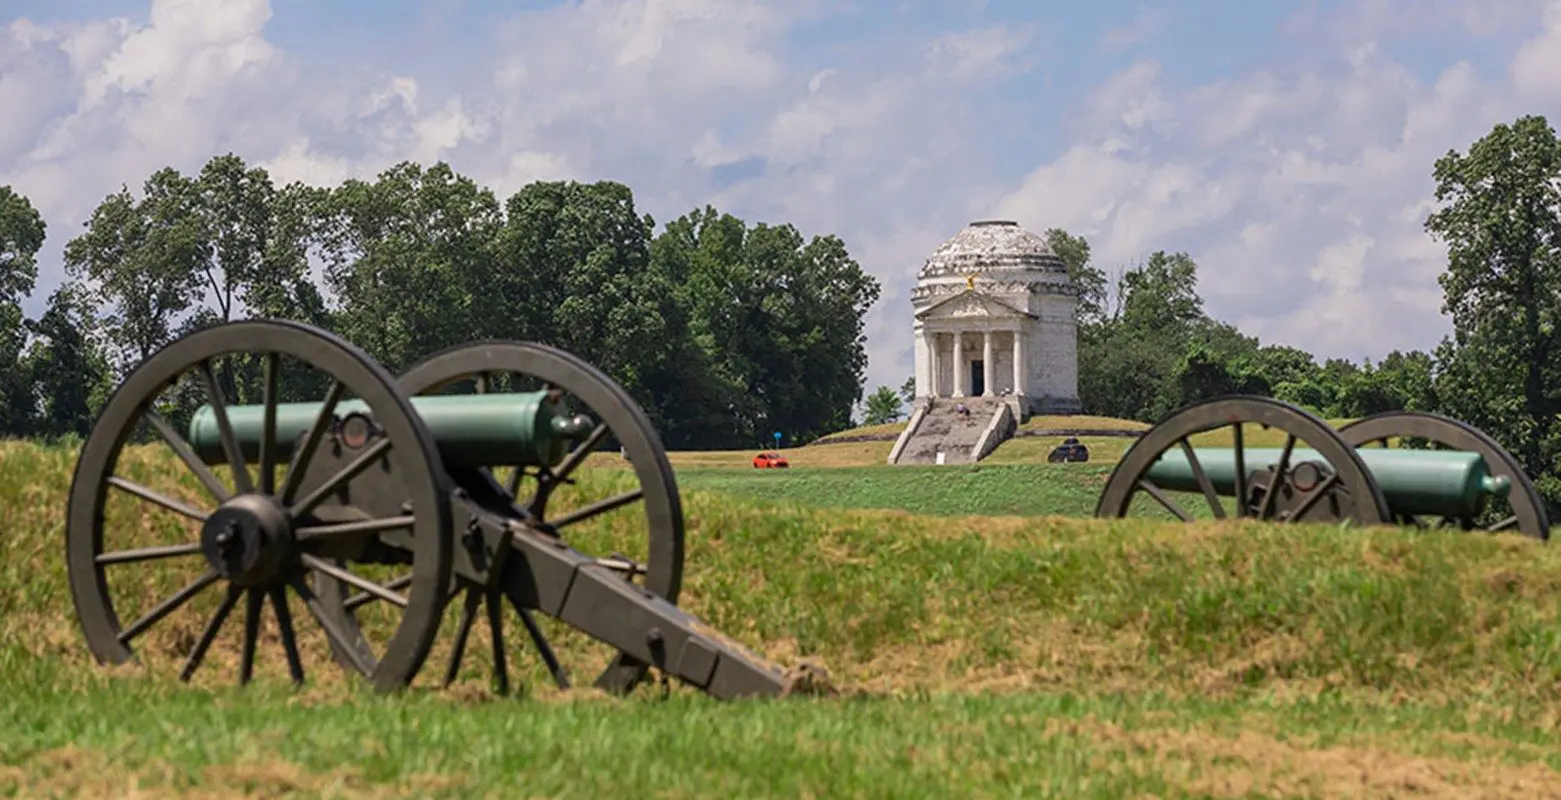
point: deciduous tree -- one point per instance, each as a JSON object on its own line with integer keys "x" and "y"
{"x": 1500, "y": 219}
{"x": 882, "y": 406}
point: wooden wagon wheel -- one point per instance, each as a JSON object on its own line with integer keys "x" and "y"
{"x": 495, "y": 366}
{"x": 257, "y": 536}
{"x": 1528, "y": 508}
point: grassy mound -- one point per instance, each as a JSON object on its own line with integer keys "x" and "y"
{"x": 977, "y": 654}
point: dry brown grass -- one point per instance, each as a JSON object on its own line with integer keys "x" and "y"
{"x": 73, "y": 771}
{"x": 1252, "y": 762}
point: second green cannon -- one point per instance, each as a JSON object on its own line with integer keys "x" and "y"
{"x": 1394, "y": 467}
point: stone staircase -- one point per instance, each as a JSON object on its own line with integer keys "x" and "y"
{"x": 937, "y": 426}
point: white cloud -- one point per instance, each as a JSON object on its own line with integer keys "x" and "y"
{"x": 1145, "y": 25}
{"x": 1302, "y": 194}
{"x": 1299, "y": 188}
{"x": 981, "y": 53}
{"x": 1536, "y": 67}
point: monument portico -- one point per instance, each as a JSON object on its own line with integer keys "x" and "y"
{"x": 994, "y": 317}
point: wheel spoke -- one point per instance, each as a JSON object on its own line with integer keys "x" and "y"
{"x": 1170, "y": 505}
{"x": 168, "y": 606}
{"x": 1509, "y": 522}
{"x": 284, "y": 623}
{"x": 246, "y": 667}
{"x": 468, "y": 616}
{"x": 268, "y": 397}
{"x": 349, "y": 528}
{"x": 149, "y": 553}
{"x": 495, "y": 610}
{"x": 305, "y": 453}
{"x": 1204, "y": 483}
{"x": 1276, "y": 478}
{"x": 543, "y": 648}
{"x": 1241, "y": 470}
{"x": 346, "y": 473}
{"x": 230, "y": 446}
{"x": 577, "y": 455}
{"x": 160, "y": 499}
{"x": 181, "y": 447}
{"x": 321, "y": 565}
{"x": 598, "y": 507}
{"x": 327, "y": 624}
{"x": 364, "y": 598}
{"x": 210, "y": 633}
{"x": 549, "y": 480}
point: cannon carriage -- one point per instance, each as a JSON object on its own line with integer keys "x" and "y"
{"x": 1400, "y": 467}
{"x": 383, "y": 502}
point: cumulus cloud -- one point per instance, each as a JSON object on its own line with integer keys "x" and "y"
{"x": 1302, "y": 192}
{"x": 1299, "y": 187}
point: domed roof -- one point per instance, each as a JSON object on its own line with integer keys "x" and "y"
{"x": 992, "y": 245}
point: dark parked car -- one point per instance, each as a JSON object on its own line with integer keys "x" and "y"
{"x": 1069, "y": 450}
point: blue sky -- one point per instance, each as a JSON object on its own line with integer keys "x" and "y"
{"x": 1286, "y": 145}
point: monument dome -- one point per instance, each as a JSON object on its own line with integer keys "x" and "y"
{"x": 993, "y": 245}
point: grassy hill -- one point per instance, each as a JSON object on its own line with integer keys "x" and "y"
{"x": 1020, "y": 653}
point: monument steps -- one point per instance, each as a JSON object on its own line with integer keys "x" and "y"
{"x": 938, "y": 427}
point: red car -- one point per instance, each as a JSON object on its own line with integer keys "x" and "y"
{"x": 770, "y": 461}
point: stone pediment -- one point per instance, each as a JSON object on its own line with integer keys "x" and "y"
{"x": 972, "y": 304}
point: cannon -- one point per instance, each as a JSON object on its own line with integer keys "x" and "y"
{"x": 381, "y": 503}
{"x": 1441, "y": 469}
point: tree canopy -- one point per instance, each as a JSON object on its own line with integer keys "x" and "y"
{"x": 723, "y": 330}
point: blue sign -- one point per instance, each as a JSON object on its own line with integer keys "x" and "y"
{"x": 777, "y": 438}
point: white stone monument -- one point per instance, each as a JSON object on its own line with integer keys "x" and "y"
{"x": 994, "y": 316}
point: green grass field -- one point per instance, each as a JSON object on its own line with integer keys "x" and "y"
{"x": 984, "y": 639}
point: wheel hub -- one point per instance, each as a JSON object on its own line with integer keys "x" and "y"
{"x": 248, "y": 539}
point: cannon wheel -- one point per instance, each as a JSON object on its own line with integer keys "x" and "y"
{"x": 257, "y": 537}
{"x": 1528, "y": 509}
{"x": 617, "y": 415}
{"x": 1366, "y": 504}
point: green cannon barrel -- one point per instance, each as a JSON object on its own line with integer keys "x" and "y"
{"x": 473, "y": 430}
{"x": 1430, "y": 482}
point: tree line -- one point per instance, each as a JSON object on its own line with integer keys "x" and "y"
{"x": 723, "y": 331}
{"x": 1147, "y": 346}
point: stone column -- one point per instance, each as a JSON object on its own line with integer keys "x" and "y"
{"x": 932, "y": 338}
{"x": 959, "y": 364}
{"x": 986, "y": 364}
{"x": 1019, "y": 366}
{"x": 923, "y": 361}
